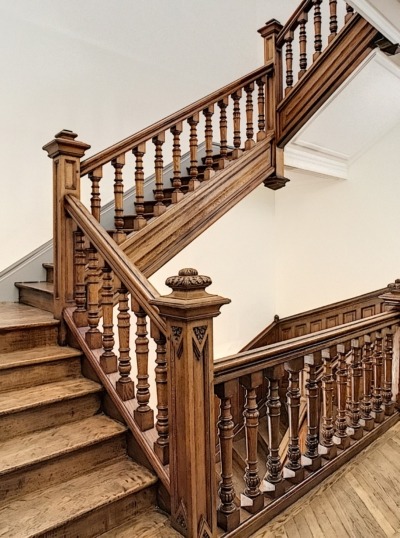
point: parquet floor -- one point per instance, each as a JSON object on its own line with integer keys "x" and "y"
{"x": 361, "y": 500}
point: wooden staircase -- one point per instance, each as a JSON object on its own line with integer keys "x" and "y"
{"x": 64, "y": 464}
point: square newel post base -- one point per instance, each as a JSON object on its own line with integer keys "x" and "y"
{"x": 194, "y": 184}
{"x": 274, "y": 490}
{"x": 208, "y": 174}
{"x": 389, "y": 408}
{"x": 327, "y": 452}
{"x": 228, "y": 522}
{"x": 223, "y": 163}
{"x": 159, "y": 209}
{"x": 236, "y": 153}
{"x": 252, "y": 504}
{"x": 108, "y": 363}
{"x": 144, "y": 419}
{"x": 311, "y": 464}
{"x": 139, "y": 223}
{"x": 341, "y": 442}
{"x": 80, "y": 318}
{"x": 176, "y": 197}
{"x": 162, "y": 452}
{"x": 293, "y": 476}
{"x": 367, "y": 423}
{"x": 355, "y": 433}
{"x": 379, "y": 416}
{"x": 125, "y": 390}
{"x": 94, "y": 339}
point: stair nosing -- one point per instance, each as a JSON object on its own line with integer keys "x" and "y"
{"x": 67, "y": 449}
{"x": 64, "y": 353}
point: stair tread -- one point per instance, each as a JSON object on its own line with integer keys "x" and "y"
{"x": 44, "y": 510}
{"x": 43, "y": 286}
{"x": 149, "y": 524}
{"x": 39, "y": 395}
{"x": 42, "y": 445}
{"x": 36, "y": 355}
{"x": 16, "y": 315}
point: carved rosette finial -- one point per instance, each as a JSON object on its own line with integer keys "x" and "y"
{"x": 188, "y": 279}
{"x": 391, "y": 297}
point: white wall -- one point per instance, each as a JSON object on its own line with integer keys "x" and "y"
{"x": 339, "y": 238}
{"x": 105, "y": 70}
{"x": 238, "y": 253}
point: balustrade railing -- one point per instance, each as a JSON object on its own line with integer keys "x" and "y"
{"x": 311, "y": 28}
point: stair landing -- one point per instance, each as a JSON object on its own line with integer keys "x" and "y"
{"x": 360, "y": 500}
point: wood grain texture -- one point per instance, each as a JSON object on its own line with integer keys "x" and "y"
{"x": 149, "y": 524}
{"x": 38, "y": 294}
{"x": 359, "y": 500}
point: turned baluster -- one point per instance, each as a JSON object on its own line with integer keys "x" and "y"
{"x": 108, "y": 359}
{"x": 328, "y": 447}
{"x": 95, "y": 200}
{"x": 236, "y": 96}
{"x": 139, "y": 221}
{"x": 80, "y": 313}
{"x": 143, "y": 414}
{"x": 387, "y": 393}
{"x": 159, "y": 208}
{"x": 223, "y": 127}
{"x": 356, "y": 429}
{"x": 341, "y": 437}
{"x": 125, "y": 385}
{"x": 377, "y": 361}
{"x": 193, "y": 144}
{"x": 208, "y": 114}
{"x": 312, "y": 459}
{"x": 293, "y": 469}
{"x": 261, "y": 108}
{"x": 250, "y": 142}
{"x": 252, "y": 500}
{"x": 161, "y": 446}
{"x": 303, "y": 43}
{"x": 367, "y": 420}
{"x": 93, "y": 335}
{"x": 118, "y": 164}
{"x": 289, "y": 62}
{"x": 177, "y": 194}
{"x": 349, "y": 13}
{"x": 333, "y": 22}
{"x": 273, "y": 484}
{"x": 317, "y": 28}
{"x": 228, "y": 512}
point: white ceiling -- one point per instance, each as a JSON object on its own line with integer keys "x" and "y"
{"x": 359, "y": 113}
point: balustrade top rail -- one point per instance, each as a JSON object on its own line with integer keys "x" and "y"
{"x": 246, "y": 362}
{"x": 133, "y": 279}
{"x": 112, "y": 152}
{"x": 293, "y": 22}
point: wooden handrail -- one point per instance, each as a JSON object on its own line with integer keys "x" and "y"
{"x": 292, "y": 23}
{"x": 126, "y": 271}
{"x": 246, "y": 362}
{"x": 105, "y": 156}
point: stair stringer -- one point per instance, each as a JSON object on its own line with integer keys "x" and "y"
{"x": 164, "y": 237}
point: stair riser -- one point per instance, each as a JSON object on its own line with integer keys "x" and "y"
{"x": 28, "y": 376}
{"x": 38, "y": 418}
{"x": 60, "y": 468}
{"x": 104, "y": 518}
{"x": 27, "y": 338}
{"x": 36, "y": 298}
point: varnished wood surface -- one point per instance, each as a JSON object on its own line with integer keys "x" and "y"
{"x": 361, "y": 500}
{"x": 149, "y": 524}
{"x": 15, "y": 315}
{"x": 37, "y": 355}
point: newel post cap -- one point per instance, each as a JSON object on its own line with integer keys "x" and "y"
{"x": 271, "y": 27}
{"x": 64, "y": 143}
{"x": 391, "y": 297}
{"x": 189, "y": 298}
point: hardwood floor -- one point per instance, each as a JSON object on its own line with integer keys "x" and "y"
{"x": 361, "y": 500}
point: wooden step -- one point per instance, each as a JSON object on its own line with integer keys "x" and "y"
{"x": 31, "y": 409}
{"x": 25, "y": 368}
{"x": 149, "y": 524}
{"x": 38, "y": 294}
{"x": 49, "y": 268}
{"x": 33, "y": 461}
{"x": 84, "y": 507}
{"x": 26, "y": 327}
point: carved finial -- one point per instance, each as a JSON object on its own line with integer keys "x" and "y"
{"x": 394, "y": 287}
{"x": 66, "y": 133}
{"x": 188, "y": 279}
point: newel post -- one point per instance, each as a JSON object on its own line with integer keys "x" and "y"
{"x": 189, "y": 311}
{"x": 66, "y": 153}
{"x": 273, "y": 96}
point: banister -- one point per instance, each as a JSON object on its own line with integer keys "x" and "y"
{"x": 105, "y": 156}
{"x": 126, "y": 271}
{"x": 291, "y": 24}
{"x": 246, "y": 362}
